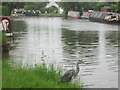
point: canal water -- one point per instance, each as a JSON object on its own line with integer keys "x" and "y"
{"x": 59, "y": 41}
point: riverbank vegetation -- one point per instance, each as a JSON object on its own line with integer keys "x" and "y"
{"x": 37, "y": 77}
{"x": 3, "y": 38}
{"x": 85, "y": 6}
{"x": 4, "y": 42}
{"x": 7, "y": 7}
{"x": 52, "y": 15}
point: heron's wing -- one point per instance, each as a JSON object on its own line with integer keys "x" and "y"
{"x": 67, "y": 76}
{"x": 69, "y": 72}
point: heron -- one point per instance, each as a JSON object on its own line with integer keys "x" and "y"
{"x": 68, "y": 75}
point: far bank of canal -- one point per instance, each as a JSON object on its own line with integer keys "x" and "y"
{"x": 60, "y": 40}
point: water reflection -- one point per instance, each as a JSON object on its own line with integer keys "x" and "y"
{"x": 79, "y": 45}
{"x": 41, "y": 37}
{"x": 112, "y": 37}
{"x": 63, "y": 42}
{"x": 19, "y": 27}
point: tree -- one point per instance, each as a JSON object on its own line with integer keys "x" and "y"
{"x": 5, "y": 10}
{"x": 35, "y": 5}
{"x": 99, "y": 5}
{"x": 69, "y": 6}
{"x": 10, "y": 6}
{"x": 52, "y": 9}
{"x": 7, "y": 7}
{"x": 119, "y": 7}
{"x": 78, "y": 6}
{"x": 85, "y": 6}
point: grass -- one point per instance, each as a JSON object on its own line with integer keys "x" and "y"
{"x": 0, "y": 73}
{"x": 52, "y": 14}
{"x": 38, "y": 77}
{"x": 3, "y": 38}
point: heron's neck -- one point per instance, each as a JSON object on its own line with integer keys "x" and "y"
{"x": 77, "y": 69}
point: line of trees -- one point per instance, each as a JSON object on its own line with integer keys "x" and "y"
{"x": 7, "y": 7}
{"x": 85, "y": 6}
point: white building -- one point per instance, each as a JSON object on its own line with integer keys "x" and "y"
{"x": 53, "y": 3}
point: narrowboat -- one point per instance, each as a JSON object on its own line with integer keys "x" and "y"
{"x": 112, "y": 18}
{"x": 105, "y": 17}
{"x": 6, "y": 32}
{"x": 85, "y": 15}
{"x": 5, "y": 26}
{"x": 74, "y": 14}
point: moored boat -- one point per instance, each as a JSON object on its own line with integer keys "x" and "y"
{"x": 85, "y": 15}
{"x": 113, "y": 18}
{"x": 106, "y": 17}
{"x": 5, "y": 26}
{"x": 74, "y": 14}
{"x": 6, "y": 33}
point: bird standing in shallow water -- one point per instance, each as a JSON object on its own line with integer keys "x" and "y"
{"x": 67, "y": 77}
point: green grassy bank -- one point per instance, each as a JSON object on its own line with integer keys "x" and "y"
{"x": 52, "y": 15}
{"x": 38, "y": 77}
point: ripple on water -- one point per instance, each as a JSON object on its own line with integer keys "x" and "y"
{"x": 96, "y": 43}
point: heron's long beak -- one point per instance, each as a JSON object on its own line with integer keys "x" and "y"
{"x": 85, "y": 62}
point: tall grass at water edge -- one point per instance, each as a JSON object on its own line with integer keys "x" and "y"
{"x": 37, "y": 77}
{"x": 3, "y": 38}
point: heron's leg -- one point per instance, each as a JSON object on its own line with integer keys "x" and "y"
{"x": 73, "y": 79}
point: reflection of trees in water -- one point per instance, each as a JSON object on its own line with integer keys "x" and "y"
{"x": 5, "y": 55}
{"x": 73, "y": 39}
{"x": 87, "y": 37}
{"x": 69, "y": 38}
{"x": 19, "y": 27}
{"x": 112, "y": 37}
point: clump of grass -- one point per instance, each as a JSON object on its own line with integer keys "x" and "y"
{"x": 37, "y": 77}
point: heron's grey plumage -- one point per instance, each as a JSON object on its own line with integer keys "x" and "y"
{"x": 67, "y": 76}
{"x": 70, "y": 73}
